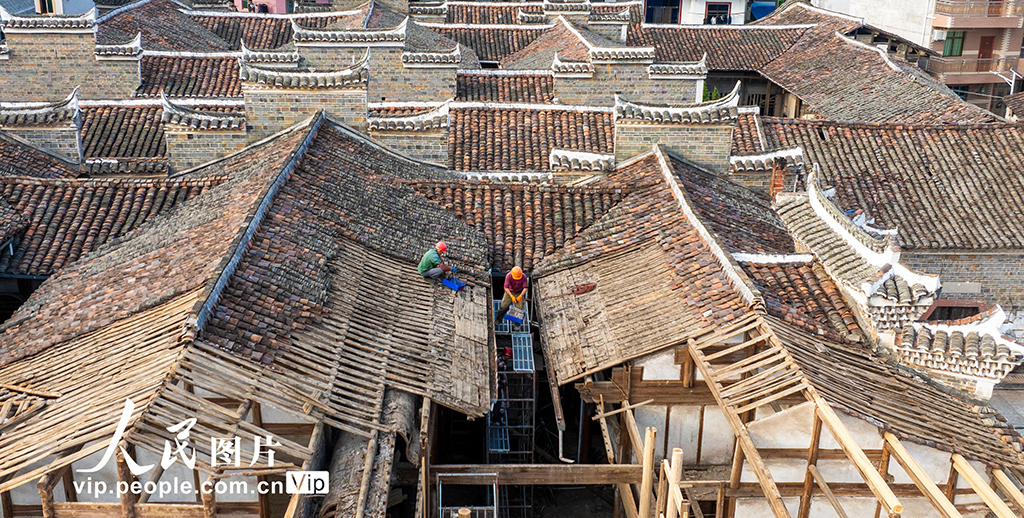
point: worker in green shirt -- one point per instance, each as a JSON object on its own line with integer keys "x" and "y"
{"x": 431, "y": 266}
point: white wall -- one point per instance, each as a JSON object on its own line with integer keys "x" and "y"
{"x": 910, "y": 19}
{"x": 693, "y": 11}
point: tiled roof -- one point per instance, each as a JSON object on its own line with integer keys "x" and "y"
{"x": 900, "y": 400}
{"x": 839, "y": 78}
{"x": 261, "y": 32}
{"x": 523, "y": 222}
{"x": 11, "y": 222}
{"x": 520, "y": 139}
{"x": 122, "y": 131}
{"x": 841, "y": 259}
{"x": 163, "y": 26}
{"x": 69, "y": 218}
{"x": 728, "y": 48}
{"x": 1015, "y": 103}
{"x": 19, "y": 158}
{"x": 490, "y": 43}
{"x": 540, "y": 53}
{"x": 747, "y": 137}
{"x": 803, "y": 294}
{"x": 599, "y": 11}
{"x": 742, "y": 220}
{"x": 644, "y": 245}
{"x": 31, "y": 114}
{"x": 507, "y": 14}
{"x": 519, "y": 88}
{"x": 959, "y": 350}
{"x": 941, "y": 186}
{"x": 172, "y": 254}
{"x": 183, "y": 76}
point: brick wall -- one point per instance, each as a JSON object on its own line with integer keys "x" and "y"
{"x": 48, "y": 66}
{"x": 331, "y": 58}
{"x": 612, "y": 31}
{"x": 270, "y": 111}
{"x": 760, "y": 181}
{"x": 630, "y": 81}
{"x": 993, "y": 277}
{"x": 706, "y": 145}
{"x": 426, "y": 146}
{"x": 187, "y": 149}
{"x": 390, "y": 81}
{"x": 63, "y": 141}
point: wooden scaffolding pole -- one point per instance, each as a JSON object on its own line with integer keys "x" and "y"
{"x": 648, "y": 472}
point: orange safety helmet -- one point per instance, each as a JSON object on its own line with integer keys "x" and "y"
{"x": 441, "y": 247}
{"x": 517, "y": 273}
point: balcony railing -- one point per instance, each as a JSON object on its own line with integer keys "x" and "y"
{"x": 951, "y": 65}
{"x": 980, "y": 8}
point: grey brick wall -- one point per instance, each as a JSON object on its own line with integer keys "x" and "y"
{"x": 270, "y": 111}
{"x": 630, "y": 81}
{"x": 612, "y": 31}
{"x": 390, "y": 81}
{"x": 189, "y": 149}
{"x": 994, "y": 277}
{"x": 760, "y": 181}
{"x": 706, "y": 145}
{"x": 426, "y": 146}
{"x": 63, "y": 141}
{"x": 331, "y": 58}
{"x": 47, "y": 67}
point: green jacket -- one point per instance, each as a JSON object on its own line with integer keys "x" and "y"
{"x": 430, "y": 260}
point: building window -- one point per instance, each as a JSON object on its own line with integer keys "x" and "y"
{"x": 662, "y": 11}
{"x": 717, "y": 14}
{"x": 960, "y": 90}
{"x": 954, "y": 44}
{"x": 946, "y": 309}
{"x": 45, "y": 7}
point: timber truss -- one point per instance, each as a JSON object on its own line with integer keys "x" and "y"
{"x": 747, "y": 367}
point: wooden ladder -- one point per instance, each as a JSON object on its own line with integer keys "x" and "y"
{"x": 765, "y": 375}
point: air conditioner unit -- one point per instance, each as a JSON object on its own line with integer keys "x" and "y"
{"x": 938, "y": 35}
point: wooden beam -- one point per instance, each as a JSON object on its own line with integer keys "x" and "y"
{"x": 624, "y": 493}
{"x": 951, "y": 482}
{"x": 7, "y": 504}
{"x": 124, "y": 476}
{"x": 602, "y": 414}
{"x": 872, "y": 478}
{"x": 812, "y": 460}
{"x": 634, "y": 433}
{"x": 1009, "y": 489}
{"x": 987, "y": 494}
{"x": 689, "y": 368}
{"x": 883, "y": 469}
{"x": 647, "y": 478}
{"x": 734, "y": 476}
{"x": 675, "y": 474}
{"x": 543, "y": 474}
{"x": 920, "y": 478}
{"x": 820, "y": 480}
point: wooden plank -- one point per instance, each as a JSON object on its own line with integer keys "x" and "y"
{"x": 624, "y": 491}
{"x": 647, "y": 477}
{"x": 602, "y": 414}
{"x": 633, "y": 431}
{"x": 812, "y": 459}
{"x": 735, "y": 348}
{"x": 1009, "y": 489}
{"x": 874, "y": 480}
{"x": 920, "y": 478}
{"x": 981, "y": 488}
{"x": 543, "y": 474}
{"x": 838, "y": 507}
{"x": 778, "y": 395}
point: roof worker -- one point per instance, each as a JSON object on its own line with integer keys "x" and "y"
{"x": 431, "y": 266}
{"x": 516, "y": 284}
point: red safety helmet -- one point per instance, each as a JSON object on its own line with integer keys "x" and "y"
{"x": 441, "y": 247}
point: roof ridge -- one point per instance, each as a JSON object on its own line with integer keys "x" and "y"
{"x": 203, "y": 308}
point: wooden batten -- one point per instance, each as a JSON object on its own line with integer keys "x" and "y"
{"x": 982, "y": 489}
{"x": 920, "y": 478}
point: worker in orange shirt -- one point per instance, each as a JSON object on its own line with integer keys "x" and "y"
{"x": 516, "y": 284}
